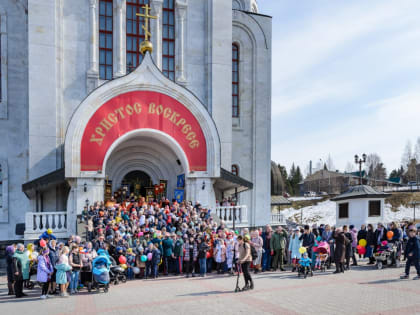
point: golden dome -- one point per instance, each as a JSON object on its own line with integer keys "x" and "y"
{"x": 146, "y": 46}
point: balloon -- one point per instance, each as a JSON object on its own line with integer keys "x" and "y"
{"x": 49, "y": 231}
{"x": 359, "y": 247}
{"x": 362, "y": 251}
{"x": 42, "y": 243}
{"x": 149, "y": 256}
{"x": 136, "y": 270}
{"x": 208, "y": 255}
{"x": 141, "y": 234}
{"x": 122, "y": 259}
{"x": 34, "y": 255}
{"x": 123, "y": 266}
{"x": 319, "y": 238}
{"x": 389, "y": 234}
{"x": 302, "y": 250}
{"x": 362, "y": 242}
{"x": 143, "y": 258}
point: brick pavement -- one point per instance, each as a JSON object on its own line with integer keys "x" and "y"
{"x": 363, "y": 290}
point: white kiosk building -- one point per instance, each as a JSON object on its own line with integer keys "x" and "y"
{"x": 359, "y": 205}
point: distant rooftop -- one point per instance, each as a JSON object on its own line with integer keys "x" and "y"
{"x": 361, "y": 191}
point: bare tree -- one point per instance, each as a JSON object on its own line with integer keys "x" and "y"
{"x": 417, "y": 150}
{"x": 375, "y": 167}
{"x": 407, "y": 155}
{"x": 330, "y": 163}
{"x": 349, "y": 167}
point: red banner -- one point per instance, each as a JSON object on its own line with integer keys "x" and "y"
{"x": 139, "y": 110}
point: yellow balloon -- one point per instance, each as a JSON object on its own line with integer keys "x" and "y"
{"x": 49, "y": 231}
{"x": 123, "y": 266}
{"x": 302, "y": 250}
{"x": 362, "y": 242}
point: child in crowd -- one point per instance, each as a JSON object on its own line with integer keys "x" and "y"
{"x": 220, "y": 255}
{"x": 141, "y": 264}
{"x": 156, "y": 258}
{"x": 131, "y": 262}
{"x": 62, "y": 267}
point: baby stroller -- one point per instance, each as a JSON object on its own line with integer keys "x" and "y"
{"x": 324, "y": 254}
{"x": 100, "y": 272}
{"x": 304, "y": 268}
{"x": 117, "y": 273}
{"x": 387, "y": 255}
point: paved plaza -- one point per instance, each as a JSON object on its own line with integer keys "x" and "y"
{"x": 364, "y": 290}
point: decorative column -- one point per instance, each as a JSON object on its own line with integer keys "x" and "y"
{"x": 181, "y": 13}
{"x": 92, "y": 76}
{"x": 120, "y": 7}
{"x": 156, "y": 27}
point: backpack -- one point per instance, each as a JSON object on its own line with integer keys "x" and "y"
{"x": 254, "y": 253}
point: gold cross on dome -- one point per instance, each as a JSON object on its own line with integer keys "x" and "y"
{"x": 146, "y": 17}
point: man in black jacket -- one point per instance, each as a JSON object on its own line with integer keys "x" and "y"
{"x": 308, "y": 240}
{"x": 412, "y": 251}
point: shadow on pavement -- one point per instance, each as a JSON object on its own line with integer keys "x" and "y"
{"x": 205, "y": 293}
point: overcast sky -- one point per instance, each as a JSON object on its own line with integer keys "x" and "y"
{"x": 346, "y": 79}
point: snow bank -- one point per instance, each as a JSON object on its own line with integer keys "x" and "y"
{"x": 325, "y": 212}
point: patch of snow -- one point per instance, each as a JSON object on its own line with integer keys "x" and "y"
{"x": 325, "y": 212}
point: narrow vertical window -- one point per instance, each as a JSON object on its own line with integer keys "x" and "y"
{"x": 135, "y": 32}
{"x": 105, "y": 39}
{"x": 3, "y": 65}
{"x": 235, "y": 80}
{"x": 1, "y": 188}
{"x": 235, "y": 170}
{"x": 168, "y": 39}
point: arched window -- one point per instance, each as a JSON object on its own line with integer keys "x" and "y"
{"x": 105, "y": 39}
{"x": 235, "y": 80}
{"x": 235, "y": 170}
{"x": 135, "y": 32}
{"x": 168, "y": 39}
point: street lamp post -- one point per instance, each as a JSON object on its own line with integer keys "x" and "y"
{"x": 360, "y": 161}
{"x": 414, "y": 204}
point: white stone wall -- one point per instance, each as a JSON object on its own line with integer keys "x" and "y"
{"x": 14, "y": 125}
{"x": 252, "y": 130}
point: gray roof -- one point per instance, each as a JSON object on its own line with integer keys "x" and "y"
{"x": 361, "y": 191}
{"x": 279, "y": 200}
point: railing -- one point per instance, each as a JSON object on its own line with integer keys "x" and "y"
{"x": 37, "y": 222}
{"x": 278, "y": 219}
{"x": 237, "y": 213}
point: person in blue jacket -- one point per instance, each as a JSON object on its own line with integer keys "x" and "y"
{"x": 412, "y": 251}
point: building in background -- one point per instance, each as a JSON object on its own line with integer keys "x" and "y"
{"x": 83, "y": 113}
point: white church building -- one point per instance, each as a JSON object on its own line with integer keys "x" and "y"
{"x": 82, "y": 110}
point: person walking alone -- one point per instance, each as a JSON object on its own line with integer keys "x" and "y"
{"x": 245, "y": 259}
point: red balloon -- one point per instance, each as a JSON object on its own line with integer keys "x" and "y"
{"x": 122, "y": 259}
{"x": 42, "y": 243}
{"x": 362, "y": 251}
{"x": 208, "y": 255}
{"x": 359, "y": 247}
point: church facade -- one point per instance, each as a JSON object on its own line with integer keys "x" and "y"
{"x": 85, "y": 116}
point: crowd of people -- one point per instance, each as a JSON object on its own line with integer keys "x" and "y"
{"x": 150, "y": 240}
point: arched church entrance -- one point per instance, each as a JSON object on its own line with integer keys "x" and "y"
{"x": 135, "y": 183}
{"x": 144, "y": 163}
